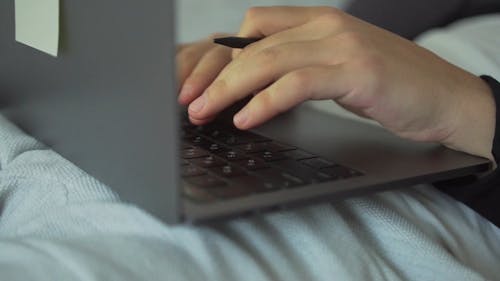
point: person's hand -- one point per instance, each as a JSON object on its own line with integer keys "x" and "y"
{"x": 323, "y": 53}
{"x": 198, "y": 64}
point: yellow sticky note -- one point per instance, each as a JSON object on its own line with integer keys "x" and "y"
{"x": 37, "y": 24}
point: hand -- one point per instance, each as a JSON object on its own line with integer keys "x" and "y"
{"x": 323, "y": 53}
{"x": 198, "y": 64}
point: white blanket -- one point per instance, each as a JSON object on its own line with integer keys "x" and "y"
{"x": 57, "y": 223}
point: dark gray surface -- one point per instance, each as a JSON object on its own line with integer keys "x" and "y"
{"x": 107, "y": 103}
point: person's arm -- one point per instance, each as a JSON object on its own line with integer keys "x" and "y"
{"x": 324, "y": 53}
{"x": 481, "y": 194}
{"x": 320, "y": 53}
{"x": 409, "y": 18}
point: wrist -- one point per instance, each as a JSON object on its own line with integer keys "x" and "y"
{"x": 473, "y": 123}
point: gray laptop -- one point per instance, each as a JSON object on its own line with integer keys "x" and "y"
{"x": 108, "y": 104}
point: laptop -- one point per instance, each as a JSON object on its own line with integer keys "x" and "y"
{"x": 108, "y": 104}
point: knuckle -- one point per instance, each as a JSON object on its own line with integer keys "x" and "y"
{"x": 218, "y": 53}
{"x": 372, "y": 68}
{"x": 194, "y": 78}
{"x": 217, "y": 89}
{"x": 268, "y": 57}
{"x": 332, "y": 18}
{"x": 271, "y": 101}
{"x": 353, "y": 39}
{"x": 372, "y": 63}
{"x": 331, "y": 40}
{"x": 266, "y": 99}
{"x": 252, "y": 13}
{"x": 186, "y": 54}
{"x": 299, "y": 81}
{"x": 244, "y": 53}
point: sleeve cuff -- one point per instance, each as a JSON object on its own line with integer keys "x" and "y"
{"x": 495, "y": 88}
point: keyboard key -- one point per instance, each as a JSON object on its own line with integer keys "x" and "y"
{"x": 192, "y": 171}
{"x": 209, "y": 161}
{"x": 196, "y": 140}
{"x": 298, "y": 154}
{"x": 214, "y": 147}
{"x": 318, "y": 163}
{"x": 253, "y": 164}
{"x": 186, "y": 145}
{"x": 233, "y": 140}
{"x": 228, "y": 171}
{"x": 256, "y": 164}
{"x": 206, "y": 181}
{"x": 233, "y": 155}
{"x": 215, "y": 133}
{"x": 252, "y": 137}
{"x": 233, "y": 136}
{"x": 186, "y": 135}
{"x": 186, "y": 125}
{"x": 269, "y": 156}
{"x": 206, "y": 129}
{"x": 240, "y": 137}
{"x": 212, "y": 132}
{"x": 253, "y": 147}
{"x": 265, "y": 146}
{"x": 194, "y": 152}
{"x": 224, "y": 137}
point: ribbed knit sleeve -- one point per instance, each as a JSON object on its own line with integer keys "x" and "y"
{"x": 495, "y": 87}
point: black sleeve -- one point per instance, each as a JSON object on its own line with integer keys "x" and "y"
{"x": 481, "y": 194}
{"x": 409, "y": 18}
{"x": 495, "y": 87}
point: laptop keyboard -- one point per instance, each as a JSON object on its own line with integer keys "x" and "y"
{"x": 220, "y": 162}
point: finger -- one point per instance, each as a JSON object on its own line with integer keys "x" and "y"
{"x": 305, "y": 32}
{"x": 267, "y": 66}
{"x": 187, "y": 58}
{"x": 245, "y": 76}
{"x": 189, "y": 54}
{"x": 315, "y": 83}
{"x": 201, "y": 122}
{"x": 264, "y": 21}
{"x": 310, "y": 24}
{"x": 204, "y": 73}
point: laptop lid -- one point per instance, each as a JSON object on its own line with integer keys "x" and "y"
{"x": 100, "y": 102}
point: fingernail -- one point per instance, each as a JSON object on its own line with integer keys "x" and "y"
{"x": 185, "y": 92}
{"x": 198, "y": 104}
{"x": 241, "y": 118}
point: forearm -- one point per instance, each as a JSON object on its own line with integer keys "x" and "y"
{"x": 474, "y": 119}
